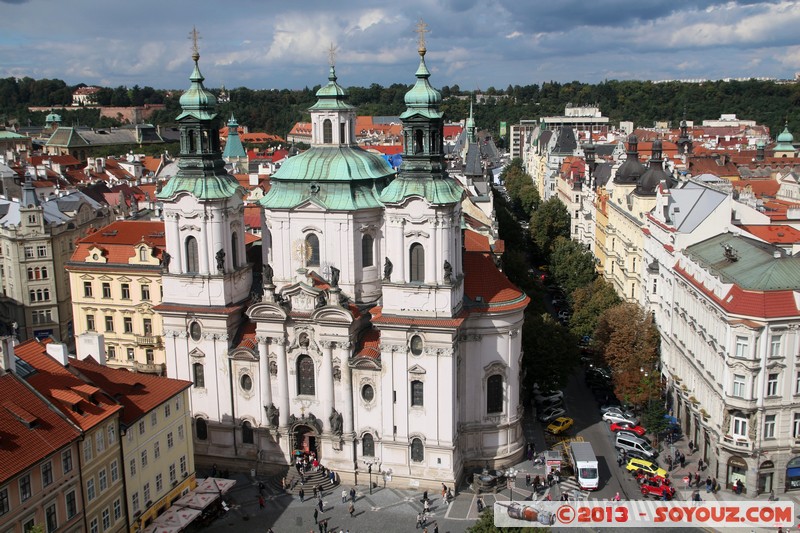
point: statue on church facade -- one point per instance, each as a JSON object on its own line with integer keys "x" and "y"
{"x": 387, "y": 270}
{"x": 334, "y": 277}
{"x": 272, "y": 414}
{"x": 165, "y": 259}
{"x": 268, "y": 274}
{"x": 336, "y": 421}
{"x": 221, "y": 260}
{"x": 448, "y": 271}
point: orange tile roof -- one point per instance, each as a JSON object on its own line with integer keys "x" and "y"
{"x": 379, "y": 318}
{"x": 774, "y": 233}
{"x": 118, "y": 238}
{"x": 151, "y": 163}
{"x": 57, "y": 383}
{"x": 248, "y": 332}
{"x": 451, "y": 131}
{"x": 63, "y": 160}
{"x": 370, "y": 345}
{"x": 475, "y": 242}
{"x": 252, "y": 216}
{"x": 138, "y": 393}
{"x": 760, "y": 187}
{"x": 301, "y": 128}
{"x": 22, "y": 445}
{"x": 250, "y": 238}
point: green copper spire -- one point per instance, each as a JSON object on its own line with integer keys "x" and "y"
{"x": 423, "y": 172}
{"x": 233, "y": 146}
{"x": 201, "y": 169}
{"x": 785, "y": 140}
{"x": 332, "y": 95}
{"x": 471, "y": 135}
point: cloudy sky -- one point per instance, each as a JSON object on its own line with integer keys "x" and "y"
{"x": 472, "y": 43}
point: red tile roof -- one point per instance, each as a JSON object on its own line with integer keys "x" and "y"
{"x": 248, "y": 339}
{"x": 63, "y": 160}
{"x": 118, "y": 238}
{"x": 756, "y": 304}
{"x": 202, "y": 309}
{"x": 451, "y": 131}
{"x": 138, "y": 393}
{"x": 59, "y": 385}
{"x": 760, "y": 187}
{"x": 774, "y": 233}
{"x": 483, "y": 279}
{"x": 370, "y": 345}
{"x": 386, "y": 149}
{"x": 22, "y": 445}
{"x": 379, "y": 318}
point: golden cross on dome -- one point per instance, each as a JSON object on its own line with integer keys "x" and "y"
{"x": 194, "y": 35}
{"x": 422, "y": 29}
{"x": 332, "y": 54}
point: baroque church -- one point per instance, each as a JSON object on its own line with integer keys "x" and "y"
{"x": 381, "y": 332}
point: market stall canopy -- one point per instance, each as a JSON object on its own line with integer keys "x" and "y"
{"x": 214, "y": 485}
{"x": 196, "y": 500}
{"x": 177, "y": 516}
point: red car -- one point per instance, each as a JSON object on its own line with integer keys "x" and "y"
{"x": 651, "y": 487}
{"x": 627, "y": 426}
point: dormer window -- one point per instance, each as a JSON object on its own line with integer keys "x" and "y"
{"x": 142, "y": 254}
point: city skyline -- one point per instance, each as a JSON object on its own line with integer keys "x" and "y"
{"x": 471, "y": 44}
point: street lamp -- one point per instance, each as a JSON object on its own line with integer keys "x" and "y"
{"x": 511, "y": 475}
{"x": 369, "y": 469}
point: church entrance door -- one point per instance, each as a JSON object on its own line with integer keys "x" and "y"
{"x": 305, "y": 439}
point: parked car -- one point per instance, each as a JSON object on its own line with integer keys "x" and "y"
{"x": 617, "y": 410}
{"x": 651, "y": 487}
{"x": 616, "y": 416}
{"x": 560, "y": 425}
{"x": 548, "y": 395}
{"x": 647, "y": 467}
{"x": 627, "y": 427}
{"x": 550, "y": 414}
{"x": 553, "y": 402}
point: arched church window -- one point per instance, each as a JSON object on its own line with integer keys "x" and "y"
{"x": 342, "y": 133}
{"x": 305, "y": 376}
{"x": 199, "y": 375}
{"x": 416, "y": 263}
{"x": 418, "y": 146}
{"x": 313, "y": 248}
{"x": 494, "y": 394}
{"x": 417, "y": 451}
{"x": 247, "y": 432}
{"x": 434, "y": 149}
{"x": 201, "y": 426}
{"x": 190, "y": 141}
{"x": 368, "y": 445}
{"x": 367, "y": 251}
{"x": 192, "y": 256}
{"x": 327, "y": 131}
{"x": 235, "y": 249}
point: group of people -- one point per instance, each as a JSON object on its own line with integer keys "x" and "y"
{"x": 680, "y": 458}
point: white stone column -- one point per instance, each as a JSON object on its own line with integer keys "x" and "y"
{"x": 203, "y": 245}
{"x": 177, "y": 261}
{"x": 347, "y": 387}
{"x": 400, "y": 274}
{"x": 433, "y": 260}
{"x": 326, "y": 383}
{"x": 283, "y": 382}
{"x": 264, "y": 378}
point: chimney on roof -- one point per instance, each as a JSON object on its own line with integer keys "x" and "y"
{"x": 7, "y": 353}
{"x": 777, "y": 254}
{"x": 58, "y": 351}
{"x": 92, "y": 345}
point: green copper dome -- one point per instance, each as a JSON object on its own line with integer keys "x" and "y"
{"x": 785, "y": 140}
{"x": 52, "y": 117}
{"x": 436, "y": 191}
{"x": 233, "y": 146}
{"x": 197, "y": 101}
{"x": 422, "y": 99}
{"x": 332, "y": 95}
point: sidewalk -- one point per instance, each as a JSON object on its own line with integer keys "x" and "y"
{"x": 677, "y": 474}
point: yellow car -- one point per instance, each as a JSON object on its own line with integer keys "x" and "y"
{"x": 560, "y": 424}
{"x": 647, "y": 467}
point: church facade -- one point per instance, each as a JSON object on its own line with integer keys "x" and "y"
{"x": 380, "y": 333}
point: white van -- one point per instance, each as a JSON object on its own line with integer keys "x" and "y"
{"x": 634, "y": 446}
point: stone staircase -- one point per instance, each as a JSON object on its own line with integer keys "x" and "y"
{"x": 293, "y": 486}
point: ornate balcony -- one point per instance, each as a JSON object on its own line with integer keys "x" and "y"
{"x": 737, "y": 443}
{"x": 150, "y": 368}
{"x": 148, "y": 340}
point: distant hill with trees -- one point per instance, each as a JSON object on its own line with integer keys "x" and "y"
{"x": 275, "y": 111}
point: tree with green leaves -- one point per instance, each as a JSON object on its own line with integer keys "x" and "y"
{"x": 549, "y": 221}
{"x": 550, "y": 351}
{"x": 572, "y": 264}
{"x": 628, "y": 339}
{"x": 588, "y": 303}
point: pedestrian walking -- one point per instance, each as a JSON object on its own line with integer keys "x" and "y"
{"x": 669, "y": 463}
{"x": 425, "y": 496}
{"x": 449, "y": 495}
{"x": 426, "y": 506}
{"x": 700, "y": 464}
{"x": 697, "y": 479}
{"x": 315, "y": 491}
{"x": 351, "y": 509}
{"x": 479, "y": 504}
{"x": 435, "y": 528}
{"x": 419, "y": 521}
{"x": 316, "y": 514}
{"x": 320, "y": 504}
{"x": 302, "y": 495}
{"x": 325, "y": 526}
{"x": 527, "y": 480}
{"x": 691, "y": 447}
{"x": 683, "y": 461}
{"x": 344, "y": 495}
{"x": 352, "y": 494}
{"x": 708, "y": 485}
{"x": 319, "y": 525}
{"x": 444, "y": 490}
{"x": 714, "y": 485}
{"x": 261, "y": 502}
